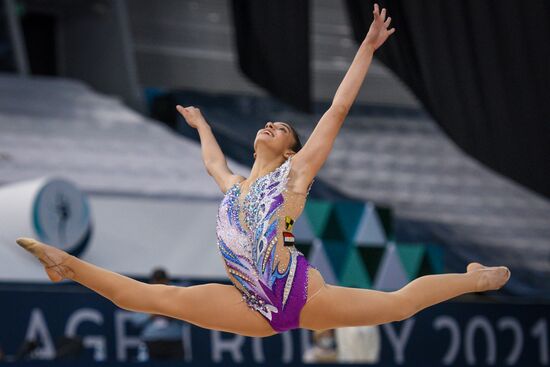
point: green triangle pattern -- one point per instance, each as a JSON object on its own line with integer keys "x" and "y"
{"x": 348, "y": 214}
{"x": 435, "y": 255}
{"x": 318, "y": 258}
{"x": 370, "y": 231}
{"x": 411, "y": 256}
{"x": 354, "y": 273}
{"x": 354, "y": 247}
{"x": 304, "y": 248}
{"x": 371, "y": 257}
{"x": 333, "y": 230}
{"x": 302, "y": 230}
{"x": 425, "y": 267}
{"x": 391, "y": 274}
{"x": 318, "y": 212}
{"x": 337, "y": 253}
{"x": 386, "y": 217}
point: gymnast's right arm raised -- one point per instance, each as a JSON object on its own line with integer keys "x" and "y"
{"x": 212, "y": 155}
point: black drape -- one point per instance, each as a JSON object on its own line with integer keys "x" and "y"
{"x": 272, "y": 39}
{"x": 482, "y": 69}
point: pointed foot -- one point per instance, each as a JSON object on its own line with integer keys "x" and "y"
{"x": 492, "y": 278}
{"x": 53, "y": 259}
{"x": 474, "y": 266}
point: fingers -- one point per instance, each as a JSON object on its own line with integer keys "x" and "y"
{"x": 183, "y": 110}
{"x": 380, "y": 15}
{"x": 180, "y": 107}
{"x": 376, "y": 12}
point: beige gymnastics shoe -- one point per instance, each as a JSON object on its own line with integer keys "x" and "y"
{"x": 490, "y": 278}
{"x": 474, "y": 266}
{"x": 55, "y": 261}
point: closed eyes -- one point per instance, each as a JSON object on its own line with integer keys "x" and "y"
{"x": 282, "y": 127}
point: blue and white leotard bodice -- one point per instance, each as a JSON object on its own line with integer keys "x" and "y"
{"x": 250, "y": 239}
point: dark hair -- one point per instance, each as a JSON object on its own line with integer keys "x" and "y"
{"x": 297, "y": 144}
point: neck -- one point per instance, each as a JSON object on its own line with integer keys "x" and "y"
{"x": 265, "y": 164}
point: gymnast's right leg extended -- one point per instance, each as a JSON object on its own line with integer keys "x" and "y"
{"x": 212, "y": 306}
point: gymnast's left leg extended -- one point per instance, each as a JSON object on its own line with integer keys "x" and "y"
{"x": 335, "y": 306}
{"x": 212, "y": 306}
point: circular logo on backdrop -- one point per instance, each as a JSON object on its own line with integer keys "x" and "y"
{"x": 61, "y": 216}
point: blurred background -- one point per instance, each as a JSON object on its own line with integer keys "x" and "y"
{"x": 443, "y": 160}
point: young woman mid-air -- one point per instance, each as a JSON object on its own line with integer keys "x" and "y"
{"x": 274, "y": 288}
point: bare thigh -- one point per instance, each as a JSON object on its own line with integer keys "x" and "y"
{"x": 213, "y": 306}
{"x": 331, "y": 306}
{"x": 316, "y": 285}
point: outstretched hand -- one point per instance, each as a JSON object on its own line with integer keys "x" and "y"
{"x": 378, "y": 32}
{"x": 192, "y": 116}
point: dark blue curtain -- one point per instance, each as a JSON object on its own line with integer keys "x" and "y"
{"x": 482, "y": 69}
{"x": 272, "y": 40}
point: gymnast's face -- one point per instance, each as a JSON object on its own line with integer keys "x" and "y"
{"x": 277, "y": 136}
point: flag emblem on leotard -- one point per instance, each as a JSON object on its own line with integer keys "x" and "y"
{"x": 288, "y": 239}
{"x": 288, "y": 223}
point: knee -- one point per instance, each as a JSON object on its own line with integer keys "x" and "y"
{"x": 144, "y": 298}
{"x": 122, "y": 299}
{"x": 405, "y": 306}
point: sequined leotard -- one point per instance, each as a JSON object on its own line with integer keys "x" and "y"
{"x": 270, "y": 273}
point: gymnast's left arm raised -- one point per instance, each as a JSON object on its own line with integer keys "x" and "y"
{"x": 315, "y": 151}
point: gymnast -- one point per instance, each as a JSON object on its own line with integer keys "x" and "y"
{"x": 274, "y": 288}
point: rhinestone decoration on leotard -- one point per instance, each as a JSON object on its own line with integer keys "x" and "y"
{"x": 252, "y": 248}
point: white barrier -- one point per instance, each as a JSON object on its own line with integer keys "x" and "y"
{"x": 52, "y": 210}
